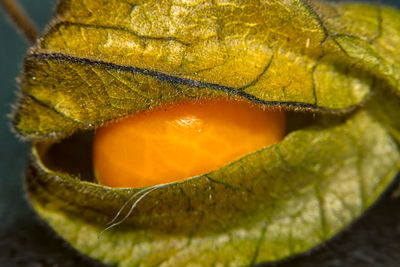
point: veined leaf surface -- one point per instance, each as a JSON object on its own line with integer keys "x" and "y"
{"x": 103, "y": 60}
{"x": 124, "y": 57}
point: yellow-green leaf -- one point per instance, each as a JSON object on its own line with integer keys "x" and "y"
{"x": 369, "y": 34}
{"x": 121, "y": 57}
{"x": 271, "y": 204}
{"x": 102, "y": 60}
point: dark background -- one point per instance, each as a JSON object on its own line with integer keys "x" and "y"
{"x": 374, "y": 240}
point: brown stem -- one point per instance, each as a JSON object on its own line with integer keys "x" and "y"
{"x": 21, "y": 20}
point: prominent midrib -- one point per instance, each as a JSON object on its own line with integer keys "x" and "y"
{"x": 291, "y": 105}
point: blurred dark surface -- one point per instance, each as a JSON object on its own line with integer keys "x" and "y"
{"x": 373, "y": 241}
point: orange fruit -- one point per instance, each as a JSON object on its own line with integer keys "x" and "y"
{"x": 182, "y": 140}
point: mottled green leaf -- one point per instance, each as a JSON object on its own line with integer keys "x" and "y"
{"x": 369, "y": 34}
{"x": 120, "y": 57}
{"x": 269, "y": 205}
{"x": 102, "y": 60}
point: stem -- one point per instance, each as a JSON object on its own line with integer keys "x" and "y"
{"x": 21, "y": 20}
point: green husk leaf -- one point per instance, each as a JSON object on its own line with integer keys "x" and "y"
{"x": 370, "y": 34}
{"x": 294, "y": 196}
{"x": 102, "y": 60}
